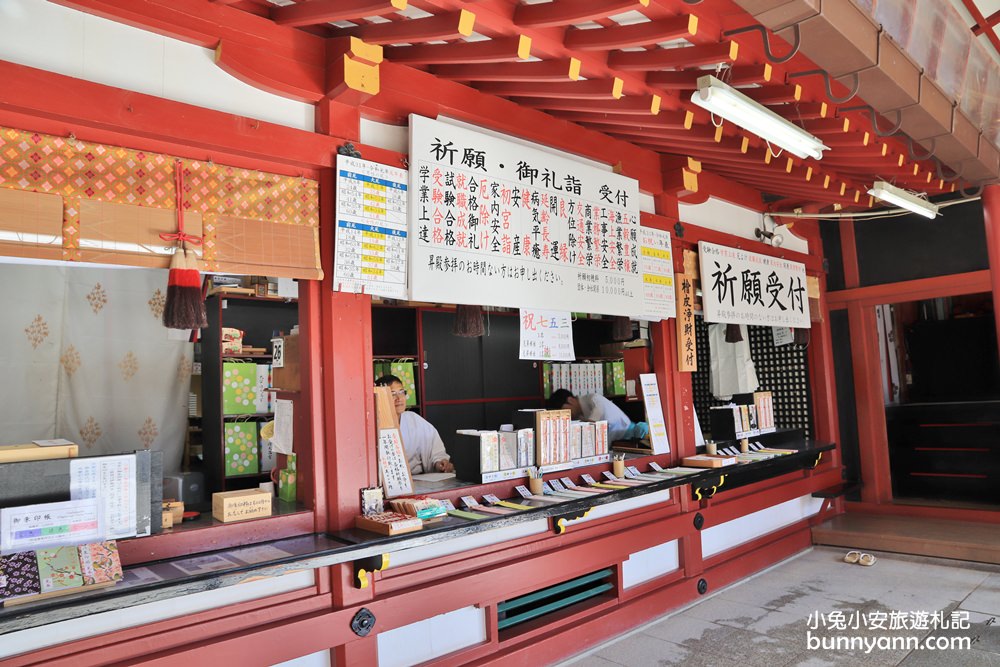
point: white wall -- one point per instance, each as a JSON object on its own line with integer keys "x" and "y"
{"x": 62, "y": 40}
{"x": 650, "y": 563}
{"x": 320, "y": 659}
{"x": 467, "y": 542}
{"x": 736, "y": 220}
{"x": 432, "y": 637}
{"x": 623, "y": 506}
{"x": 739, "y": 531}
{"x": 33, "y": 639}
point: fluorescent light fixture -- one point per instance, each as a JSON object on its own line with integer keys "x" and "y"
{"x": 903, "y": 199}
{"x": 732, "y": 105}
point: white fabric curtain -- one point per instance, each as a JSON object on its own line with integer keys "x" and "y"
{"x": 87, "y": 359}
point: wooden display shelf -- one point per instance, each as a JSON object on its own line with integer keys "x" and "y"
{"x": 249, "y": 297}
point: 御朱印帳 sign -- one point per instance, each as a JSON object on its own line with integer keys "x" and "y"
{"x": 740, "y": 287}
{"x": 496, "y": 223}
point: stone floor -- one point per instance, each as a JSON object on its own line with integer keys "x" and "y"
{"x": 764, "y": 620}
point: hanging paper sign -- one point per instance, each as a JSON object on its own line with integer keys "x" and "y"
{"x": 687, "y": 344}
{"x": 654, "y": 413}
{"x": 782, "y": 336}
{"x": 657, "y": 262}
{"x": 500, "y": 224}
{"x": 546, "y": 335}
{"x": 740, "y": 287}
{"x": 370, "y": 253}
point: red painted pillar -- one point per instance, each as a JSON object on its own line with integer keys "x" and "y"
{"x": 991, "y": 217}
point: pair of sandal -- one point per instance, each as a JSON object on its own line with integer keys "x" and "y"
{"x": 860, "y": 558}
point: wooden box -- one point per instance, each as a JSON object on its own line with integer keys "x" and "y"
{"x": 389, "y": 523}
{"x": 33, "y": 452}
{"x": 239, "y": 505}
{"x": 288, "y": 376}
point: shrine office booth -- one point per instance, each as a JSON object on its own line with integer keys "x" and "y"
{"x": 396, "y": 198}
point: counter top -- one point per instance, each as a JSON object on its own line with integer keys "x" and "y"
{"x": 211, "y": 570}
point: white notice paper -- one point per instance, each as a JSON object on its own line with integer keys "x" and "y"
{"x": 371, "y": 245}
{"x": 659, "y": 299}
{"x": 50, "y": 525}
{"x": 284, "y": 420}
{"x": 546, "y": 334}
{"x": 654, "y": 413}
{"x": 52, "y": 443}
{"x": 110, "y": 479}
{"x": 782, "y": 336}
{"x": 392, "y": 466}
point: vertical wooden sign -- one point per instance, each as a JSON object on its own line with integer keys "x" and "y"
{"x": 687, "y": 346}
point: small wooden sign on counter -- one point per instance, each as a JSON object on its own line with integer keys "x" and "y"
{"x": 239, "y": 505}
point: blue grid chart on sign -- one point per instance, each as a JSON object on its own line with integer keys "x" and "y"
{"x": 783, "y": 370}
{"x": 371, "y": 229}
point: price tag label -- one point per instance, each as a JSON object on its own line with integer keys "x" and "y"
{"x": 546, "y": 488}
{"x": 608, "y": 475}
{"x": 567, "y": 482}
{"x": 448, "y": 505}
{"x": 469, "y": 501}
{"x": 655, "y": 466}
{"x": 523, "y": 491}
{"x": 491, "y": 499}
{"x": 632, "y": 471}
{"x": 556, "y": 484}
{"x": 588, "y": 479}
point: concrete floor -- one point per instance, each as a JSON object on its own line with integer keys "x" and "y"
{"x": 763, "y": 620}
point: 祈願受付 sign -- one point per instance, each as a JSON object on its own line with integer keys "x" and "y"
{"x": 496, "y": 223}
{"x": 740, "y": 287}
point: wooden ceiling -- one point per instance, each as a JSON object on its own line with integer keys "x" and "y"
{"x": 627, "y": 69}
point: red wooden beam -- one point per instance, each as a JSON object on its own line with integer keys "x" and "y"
{"x": 991, "y": 21}
{"x": 631, "y": 105}
{"x": 682, "y": 58}
{"x": 446, "y": 26}
{"x": 271, "y": 72}
{"x": 566, "y": 12}
{"x": 499, "y": 50}
{"x": 666, "y": 120}
{"x": 983, "y": 23}
{"x": 626, "y": 36}
{"x": 591, "y": 89}
{"x": 313, "y": 12}
{"x": 556, "y": 70}
{"x": 740, "y": 75}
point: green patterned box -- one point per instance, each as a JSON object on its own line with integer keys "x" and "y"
{"x": 614, "y": 378}
{"x": 239, "y": 388}
{"x": 546, "y": 379}
{"x": 404, "y": 371}
{"x": 241, "y": 449}
{"x": 286, "y": 485}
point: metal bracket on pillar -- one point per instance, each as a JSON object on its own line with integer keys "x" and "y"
{"x": 363, "y": 622}
{"x": 348, "y": 149}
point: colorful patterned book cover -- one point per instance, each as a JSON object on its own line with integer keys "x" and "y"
{"x": 239, "y": 388}
{"x": 100, "y": 563}
{"x": 59, "y": 569}
{"x": 19, "y": 575}
{"x": 404, "y": 371}
{"x": 546, "y": 379}
{"x": 241, "y": 449}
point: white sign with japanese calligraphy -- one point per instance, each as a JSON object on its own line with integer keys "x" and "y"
{"x": 740, "y": 287}
{"x": 392, "y": 466}
{"x": 496, "y": 223}
{"x": 111, "y": 480}
{"x": 370, "y": 254}
{"x": 546, "y": 335}
{"x": 657, "y": 263}
{"x": 654, "y": 413}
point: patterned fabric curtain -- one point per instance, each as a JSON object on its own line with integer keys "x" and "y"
{"x": 86, "y": 358}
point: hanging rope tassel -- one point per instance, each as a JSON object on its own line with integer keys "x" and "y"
{"x": 468, "y": 321}
{"x": 185, "y": 306}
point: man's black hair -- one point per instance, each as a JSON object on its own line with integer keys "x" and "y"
{"x": 387, "y": 380}
{"x": 558, "y": 399}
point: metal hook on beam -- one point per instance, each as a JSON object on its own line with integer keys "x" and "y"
{"x": 975, "y": 193}
{"x": 766, "y": 39}
{"x": 691, "y": 2}
{"x": 828, "y": 83}
{"x": 951, "y": 179}
{"x": 874, "y": 117}
{"x": 914, "y": 156}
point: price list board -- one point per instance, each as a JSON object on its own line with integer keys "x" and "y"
{"x": 371, "y": 242}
